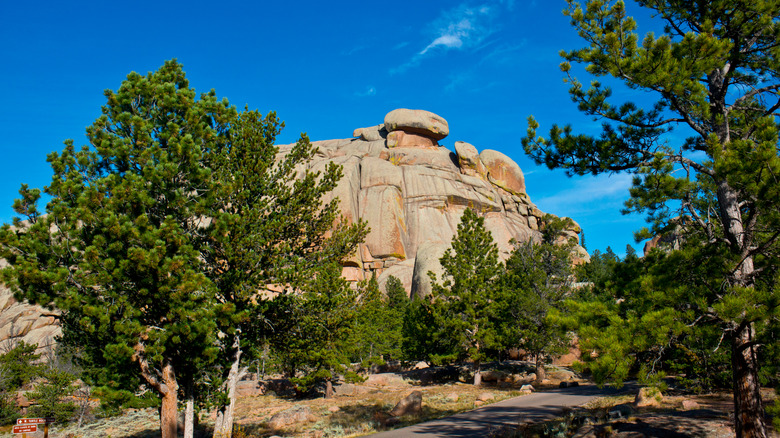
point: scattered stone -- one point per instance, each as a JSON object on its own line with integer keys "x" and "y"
{"x": 485, "y": 396}
{"x": 648, "y": 397}
{"x": 689, "y": 405}
{"x": 419, "y": 122}
{"x": 421, "y": 365}
{"x": 294, "y": 415}
{"x": 409, "y": 405}
{"x": 527, "y": 388}
{"x": 334, "y": 409}
{"x": 452, "y": 397}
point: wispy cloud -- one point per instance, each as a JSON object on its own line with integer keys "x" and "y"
{"x": 369, "y": 91}
{"x": 464, "y": 27}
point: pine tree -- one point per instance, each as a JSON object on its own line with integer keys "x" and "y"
{"x": 161, "y": 233}
{"x": 265, "y": 230}
{"x": 713, "y": 71}
{"x": 464, "y": 304}
{"x": 536, "y": 281}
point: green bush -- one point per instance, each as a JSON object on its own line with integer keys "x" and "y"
{"x": 113, "y": 401}
{"x": 51, "y": 396}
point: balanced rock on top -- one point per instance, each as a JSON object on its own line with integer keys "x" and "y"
{"x": 420, "y": 122}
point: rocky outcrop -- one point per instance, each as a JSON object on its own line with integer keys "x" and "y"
{"x": 411, "y": 191}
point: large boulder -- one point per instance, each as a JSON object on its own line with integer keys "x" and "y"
{"x": 424, "y": 123}
{"x": 502, "y": 171}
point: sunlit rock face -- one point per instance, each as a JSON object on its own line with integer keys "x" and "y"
{"x": 410, "y": 190}
{"x": 23, "y": 322}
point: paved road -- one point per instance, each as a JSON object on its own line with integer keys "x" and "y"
{"x": 479, "y": 422}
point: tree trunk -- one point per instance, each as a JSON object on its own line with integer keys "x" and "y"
{"x": 169, "y": 409}
{"x": 189, "y": 413}
{"x": 541, "y": 374}
{"x": 478, "y": 374}
{"x": 223, "y": 426}
{"x": 748, "y": 409}
{"x": 328, "y": 389}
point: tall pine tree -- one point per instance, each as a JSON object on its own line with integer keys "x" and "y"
{"x": 465, "y": 304}
{"x": 713, "y": 72}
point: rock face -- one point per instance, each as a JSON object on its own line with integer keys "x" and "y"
{"x": 22, "y": 322}
{"x": 411, "y": 191}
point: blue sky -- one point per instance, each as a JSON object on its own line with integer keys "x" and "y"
{"x": 325, "y": 67}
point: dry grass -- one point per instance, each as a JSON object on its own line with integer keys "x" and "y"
{"x": 363, "y": 413}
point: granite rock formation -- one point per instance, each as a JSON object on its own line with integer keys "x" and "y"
{"x": 410, "y": 190}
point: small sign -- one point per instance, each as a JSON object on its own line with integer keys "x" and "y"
{"x": 46, "y": 420}
{"x": 25, "y": 428}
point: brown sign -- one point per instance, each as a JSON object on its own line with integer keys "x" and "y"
{"x": 25, "y": 428}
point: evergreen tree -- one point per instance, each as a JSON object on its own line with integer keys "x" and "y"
{"x": 714, "y": 71}
{"x": 377, "y": 326}
{"x": 538, "y": 277}
{"x": 117, "y": 250}
{"x": 162, "y": 232}
{"x": 465, "y": 304}
{"x": 311, "y": 327}
{"x": 265, "y": 230}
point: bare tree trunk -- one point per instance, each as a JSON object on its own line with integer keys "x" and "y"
{"x": 169, "y": 410}
{"x": 189, "y": 413}
{"x": 748, "y": 409}
{"x": 223, "y": 426}
{"x": 541, "y": 374}
{"x": 478, "y": 374}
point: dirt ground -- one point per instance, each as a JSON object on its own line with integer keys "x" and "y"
{"x": 362, "y": 408}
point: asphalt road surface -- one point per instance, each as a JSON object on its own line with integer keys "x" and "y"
{"x": 535, "y": 407}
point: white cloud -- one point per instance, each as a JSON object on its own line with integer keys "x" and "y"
{"x": 461, "y": 28}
